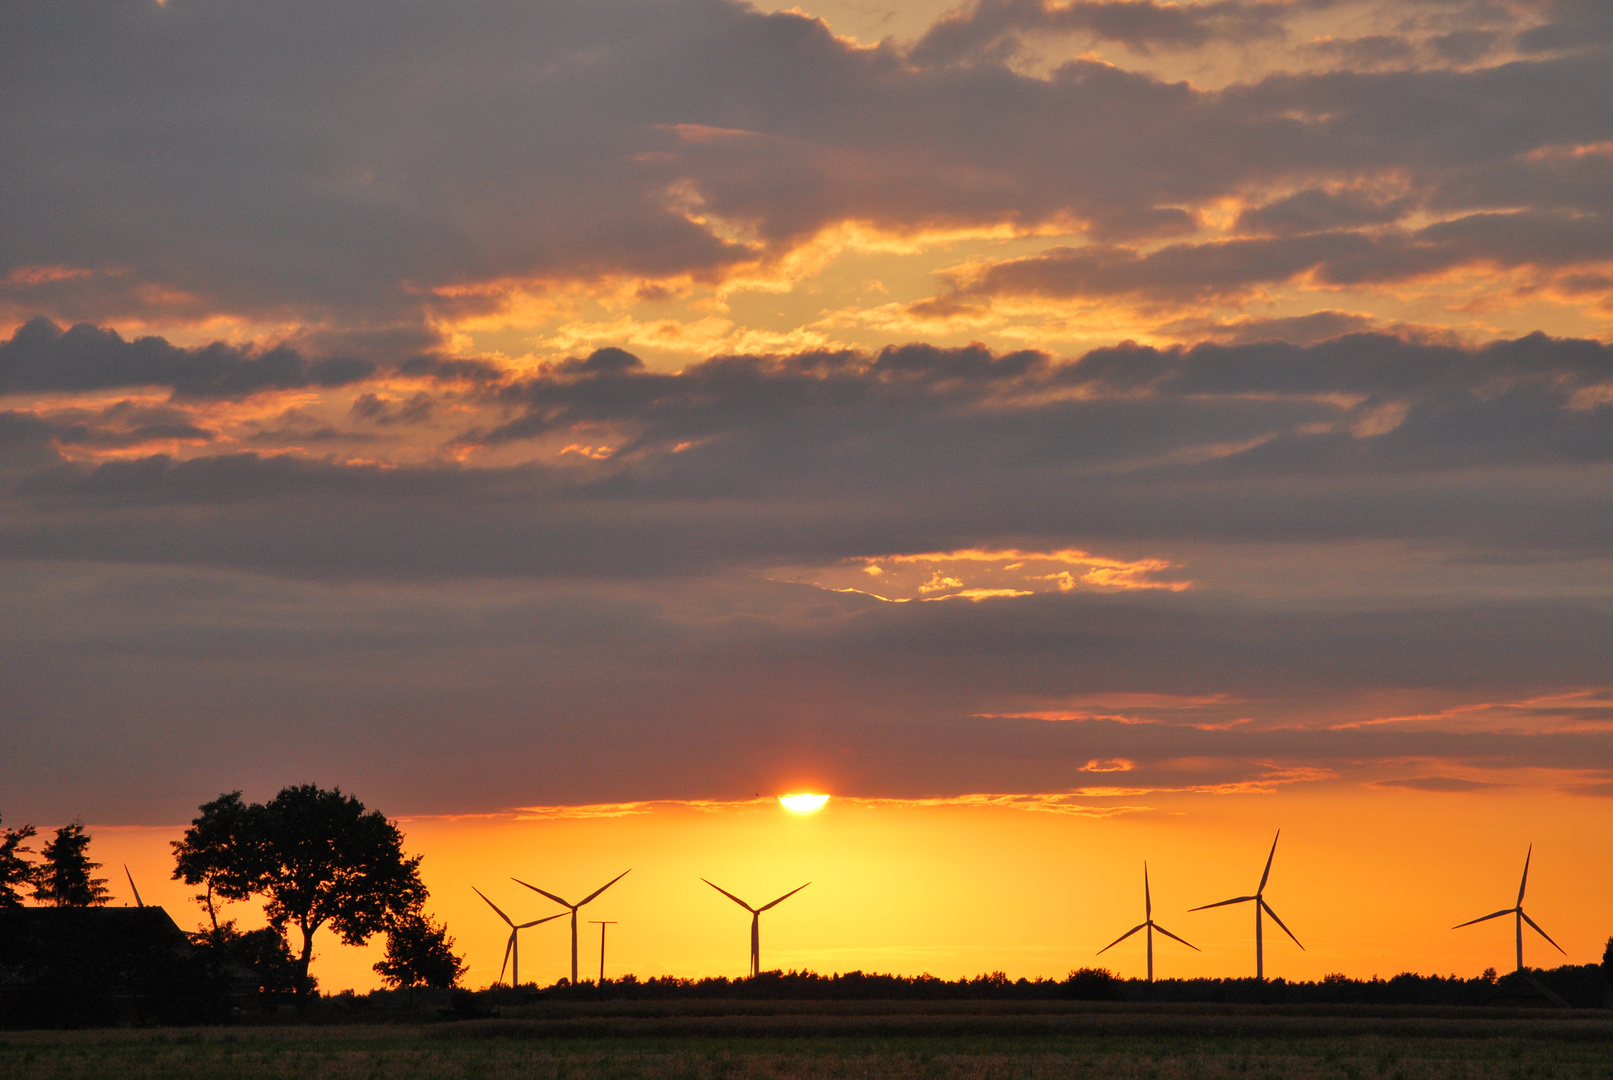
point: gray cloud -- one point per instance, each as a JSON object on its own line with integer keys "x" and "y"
{"x": 238, "y": 158}
{"x": 42, "y": 357}
{"x": 723, "y": 686}
{"x": 988, "y": 26}
{"x": 751, "y": 461}
{"x": 1228, "y": 269}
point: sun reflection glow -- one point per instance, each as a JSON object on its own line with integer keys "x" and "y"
{"x": 803, "y": 803}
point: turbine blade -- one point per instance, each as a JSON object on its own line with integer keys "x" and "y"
{"x": 783, "y": 898}
{"x": 1523, "y": 884}
{"x": 1279, "y": 922}
{"x": 732, "y": 897}
{"x": 1148, "y": 897}
{"x": 605, "y": 886}
{"x": 1541, "y": 932}
{"x": 550, "y": 895}
{"x": 1269, "y": 857}
{"x": 1173, "y": 937}
{"x": 540, "y": 922}
{"x": 508, "y": 945}
{"x": 1121, "y": 938}
{"x": 1224, "y": 903}
{"x": 137, "y": 901}
{"x": 495, "y": 907}
{"x": 1484, "y": 918}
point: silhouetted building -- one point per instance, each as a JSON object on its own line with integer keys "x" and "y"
{"x": 87, "y": 967}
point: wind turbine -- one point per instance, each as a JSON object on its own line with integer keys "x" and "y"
{"x": 1518, "y": 911}
{"x": 512, "y": 949}
{"x": 574, "y": 908}
{"x": 756, "y": 922}
{"x": 1148, "y": 923}
{"x": 1260, "y": 905}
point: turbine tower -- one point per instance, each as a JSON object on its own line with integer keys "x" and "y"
{"x": 512, "y": 948}
{"x": 1148, "y": 923}
{"x": 756, "y": 922}
{"x": 1518, "y": 911}
{"x": 1259, "y": 899}
{"x": 574, "y": 908}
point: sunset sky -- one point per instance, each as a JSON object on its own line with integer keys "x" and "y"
{"x": 1065, "y": 433}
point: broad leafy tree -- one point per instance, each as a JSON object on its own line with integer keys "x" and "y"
{"x": 15, "y": 870}
{"x": 317, "y": 858}
{"x": 419, "y": 952}
{"x": 222, "y": 851}
{"x": 65, "y": 874}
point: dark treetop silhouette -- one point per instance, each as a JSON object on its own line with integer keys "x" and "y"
{"x": 574, "y": 907}
{"x": 1259, "y": 900}
{"x": 15, "y": 871}
{"x": 512, "y": 948}
{"x": 756, "y": 922}
{"x": 1148, "y": 923}
{"x": 315, "y": 856}
{"x": 63, "y": 876}
{"x": 419, "y": 952}
{"x": 1517, "y": 911}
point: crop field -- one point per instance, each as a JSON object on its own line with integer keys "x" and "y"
{"x": 851, "y": 1045}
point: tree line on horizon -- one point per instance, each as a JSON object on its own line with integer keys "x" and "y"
{"x": 314, "y": 858}
{"x": 319, "y": 858}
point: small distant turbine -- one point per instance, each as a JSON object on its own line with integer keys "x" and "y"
{"x": 574, "y": 908}
{"x": 512, "y": 948}
{"x": 1518, "y": 911}
{"x": 1260, "y": 905}
{"x": 1148, "y": 923}
{"x": 756, "y": 922}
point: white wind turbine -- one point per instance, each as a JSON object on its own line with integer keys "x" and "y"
{"x": 756, "y": 922}
{"x": 512, "y": 948}
{"x": 1260, "y": 906}
{"x": 1517, "y": 910}
{"x": 1148, "y": 923}
{"x": 574, "y": 907}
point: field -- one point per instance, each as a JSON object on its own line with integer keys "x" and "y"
{"x": 841, "y": 1041}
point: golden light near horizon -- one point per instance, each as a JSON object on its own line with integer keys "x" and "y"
{"x": 803, "y": 803}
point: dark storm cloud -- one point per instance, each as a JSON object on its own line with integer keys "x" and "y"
{"x": 238, "y": 157}
{"x": 41, "y": 357}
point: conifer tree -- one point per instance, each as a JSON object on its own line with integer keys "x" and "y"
{"x": 63, "y": 877}
{"x": 15, "y": 871}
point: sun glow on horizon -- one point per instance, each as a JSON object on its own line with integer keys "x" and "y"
{"x": 803, "y": 803}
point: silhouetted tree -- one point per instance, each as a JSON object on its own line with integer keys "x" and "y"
{"x": 63, "y": 876}
{"x": 316, "y": 857}
{"x": 1607, "y": 961}
{"x": 419, "y": 952}
{"x": 15, "y": 871}
{"x": 264, "y": 950}
{"x": 222, "y": 850}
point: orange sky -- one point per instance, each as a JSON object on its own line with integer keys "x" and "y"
{"x": 1370, "y": 884}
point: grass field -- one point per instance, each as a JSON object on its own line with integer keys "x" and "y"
{"x": 852, "y": 1044}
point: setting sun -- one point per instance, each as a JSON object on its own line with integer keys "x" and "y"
{"x": 803, "y": 803}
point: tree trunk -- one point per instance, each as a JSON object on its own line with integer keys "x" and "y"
{"x": 306, "y": 959}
